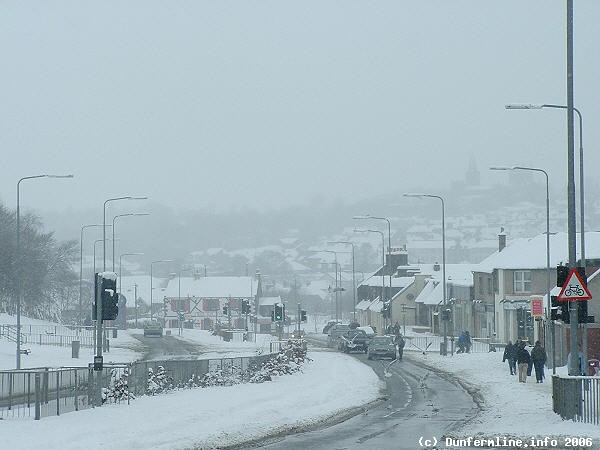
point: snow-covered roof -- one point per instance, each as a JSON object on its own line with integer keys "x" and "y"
{"x": 427, "y": 290}
{"x": 456, "y": 274}
{"x": 530, "y": 253}
{"x": 212, "y": 287}
{"x": 269, "y": 301}
{"x": 399, "y": 282}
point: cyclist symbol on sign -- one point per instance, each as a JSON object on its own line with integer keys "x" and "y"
{"x": 574, "y": 290}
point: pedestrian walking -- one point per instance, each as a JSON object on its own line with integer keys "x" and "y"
{"x": 467, "y": 341}
{"x": 461, "y": 343}
{"x": 509, "y": 355}
{"x": 523, "y": 360}
{"x": 401, "y": 343}
{"x": 538, "y": 356}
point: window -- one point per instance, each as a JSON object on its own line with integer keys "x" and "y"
{"x": 522, "y": 281}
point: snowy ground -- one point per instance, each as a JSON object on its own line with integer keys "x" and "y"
{"x": 510, "y": 408}
{"x": 209, "y": 417}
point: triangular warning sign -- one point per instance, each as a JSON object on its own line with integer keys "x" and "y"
{"x": 574, "y": 288}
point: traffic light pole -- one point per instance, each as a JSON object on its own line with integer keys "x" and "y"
{"x": 98, "y": 285}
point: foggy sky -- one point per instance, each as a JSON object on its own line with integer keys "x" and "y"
{"x": 243, "y": 103}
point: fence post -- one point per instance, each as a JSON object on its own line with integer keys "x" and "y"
{"x": 58, "y": 377}
{"x": 10, "y": 388}
{"x": 76, "y": 372}
{"x": 37, "y": 396}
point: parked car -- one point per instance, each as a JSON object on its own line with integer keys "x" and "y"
{"x": 354, "y": 340}
{"x": 328, "y": 326}
{"x": 382, "y": 347}
{"x": 153, "y": 328}
{"x": 335, "y": 332}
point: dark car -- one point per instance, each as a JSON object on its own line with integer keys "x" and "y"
{"x": 382, "y": 347}
{"x": 328, "y": 326}
{"x": 153, "y": 328}
{"x": 354, "y": 340}
{"x": 335, "y": 332}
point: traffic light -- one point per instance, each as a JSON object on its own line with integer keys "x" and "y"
{"x": 165, "y": 306}
{"x": 279, "y": 312}
{"x": 245, "y": 306}
{"x": 225, "y": 310}
{"x": 562, "y": 313}
{"x": 110, "y": 299}
{"x": 386, "y": 310}
{"x": 446, "y": 314}
{"x": 303, "y": 315}
{"x": 561, "y": 275}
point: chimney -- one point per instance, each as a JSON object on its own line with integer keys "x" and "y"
{"x": 501, "y": 239}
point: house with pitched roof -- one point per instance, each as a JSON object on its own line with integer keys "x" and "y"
{"x": 511, "y": 276}
{"x": 200, "y": 300}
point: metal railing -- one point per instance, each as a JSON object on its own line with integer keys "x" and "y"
{"x": 577, "y": 398}
{"x": 432, "y": 344}
{"x": 43, "y": 392}
{"x": 57, "y": 335}
{"x": 10, "y": 333}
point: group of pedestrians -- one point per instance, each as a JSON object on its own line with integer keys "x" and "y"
{"x": 519, "y": 354}
{"x": 464, "y": 342}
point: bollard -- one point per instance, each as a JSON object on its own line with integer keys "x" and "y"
{"x": 75, "y": 345}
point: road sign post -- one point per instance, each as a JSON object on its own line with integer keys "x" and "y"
{"x": 574, "y": 288}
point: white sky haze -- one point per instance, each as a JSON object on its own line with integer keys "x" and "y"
{"x": 260, "y": 104}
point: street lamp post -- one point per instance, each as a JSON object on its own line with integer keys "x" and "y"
{"x": 548, "y": 275}
{"x": 383, "y": 299}
{"x": 121, "y": 256}
{"x": 18, "y": 257}
{"x": 353, "y": 274}
{"x": 151, "y": 265}
{"x": 179, "y": 321}
{"x": 129, "y": 197}
{"x": 335, "y": 289}
{"x": 389, "y": 224}
{"x": 445, "y": 322}
{"x": 113, "y": 233}
{"x": 81, "y": 268}
{"x": 571, "y": 194}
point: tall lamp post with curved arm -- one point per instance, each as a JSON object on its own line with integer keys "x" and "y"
{"x": 389, "y": 224}
{"x": 121, "y": 256}
{"x": 128, "y": 197}
{"x": 444, "y": 350}
{"x": 353, "y": 276}
{"x": 335, "y": 289}
{"x": 151, "y": 266}
{"x": 383, "y": 299}
{"x": 81, "y": 268}
{"x": 571, "y": 210}
{"x": 18, "y": 257}
{"x": 113, "y": 233}
{"x": 548, "y": 274}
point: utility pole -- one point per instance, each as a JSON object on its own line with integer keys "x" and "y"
{"x": 574, "y": 368}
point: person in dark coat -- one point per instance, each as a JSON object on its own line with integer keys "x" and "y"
{"x": 509, "y": 355}
{"x": 538, "y": 356}
{"x": 401, "y": 343}
{"x": 523, "y": 361}
{"x": 461, "y": 343}
{"x": 468, "y": 341}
